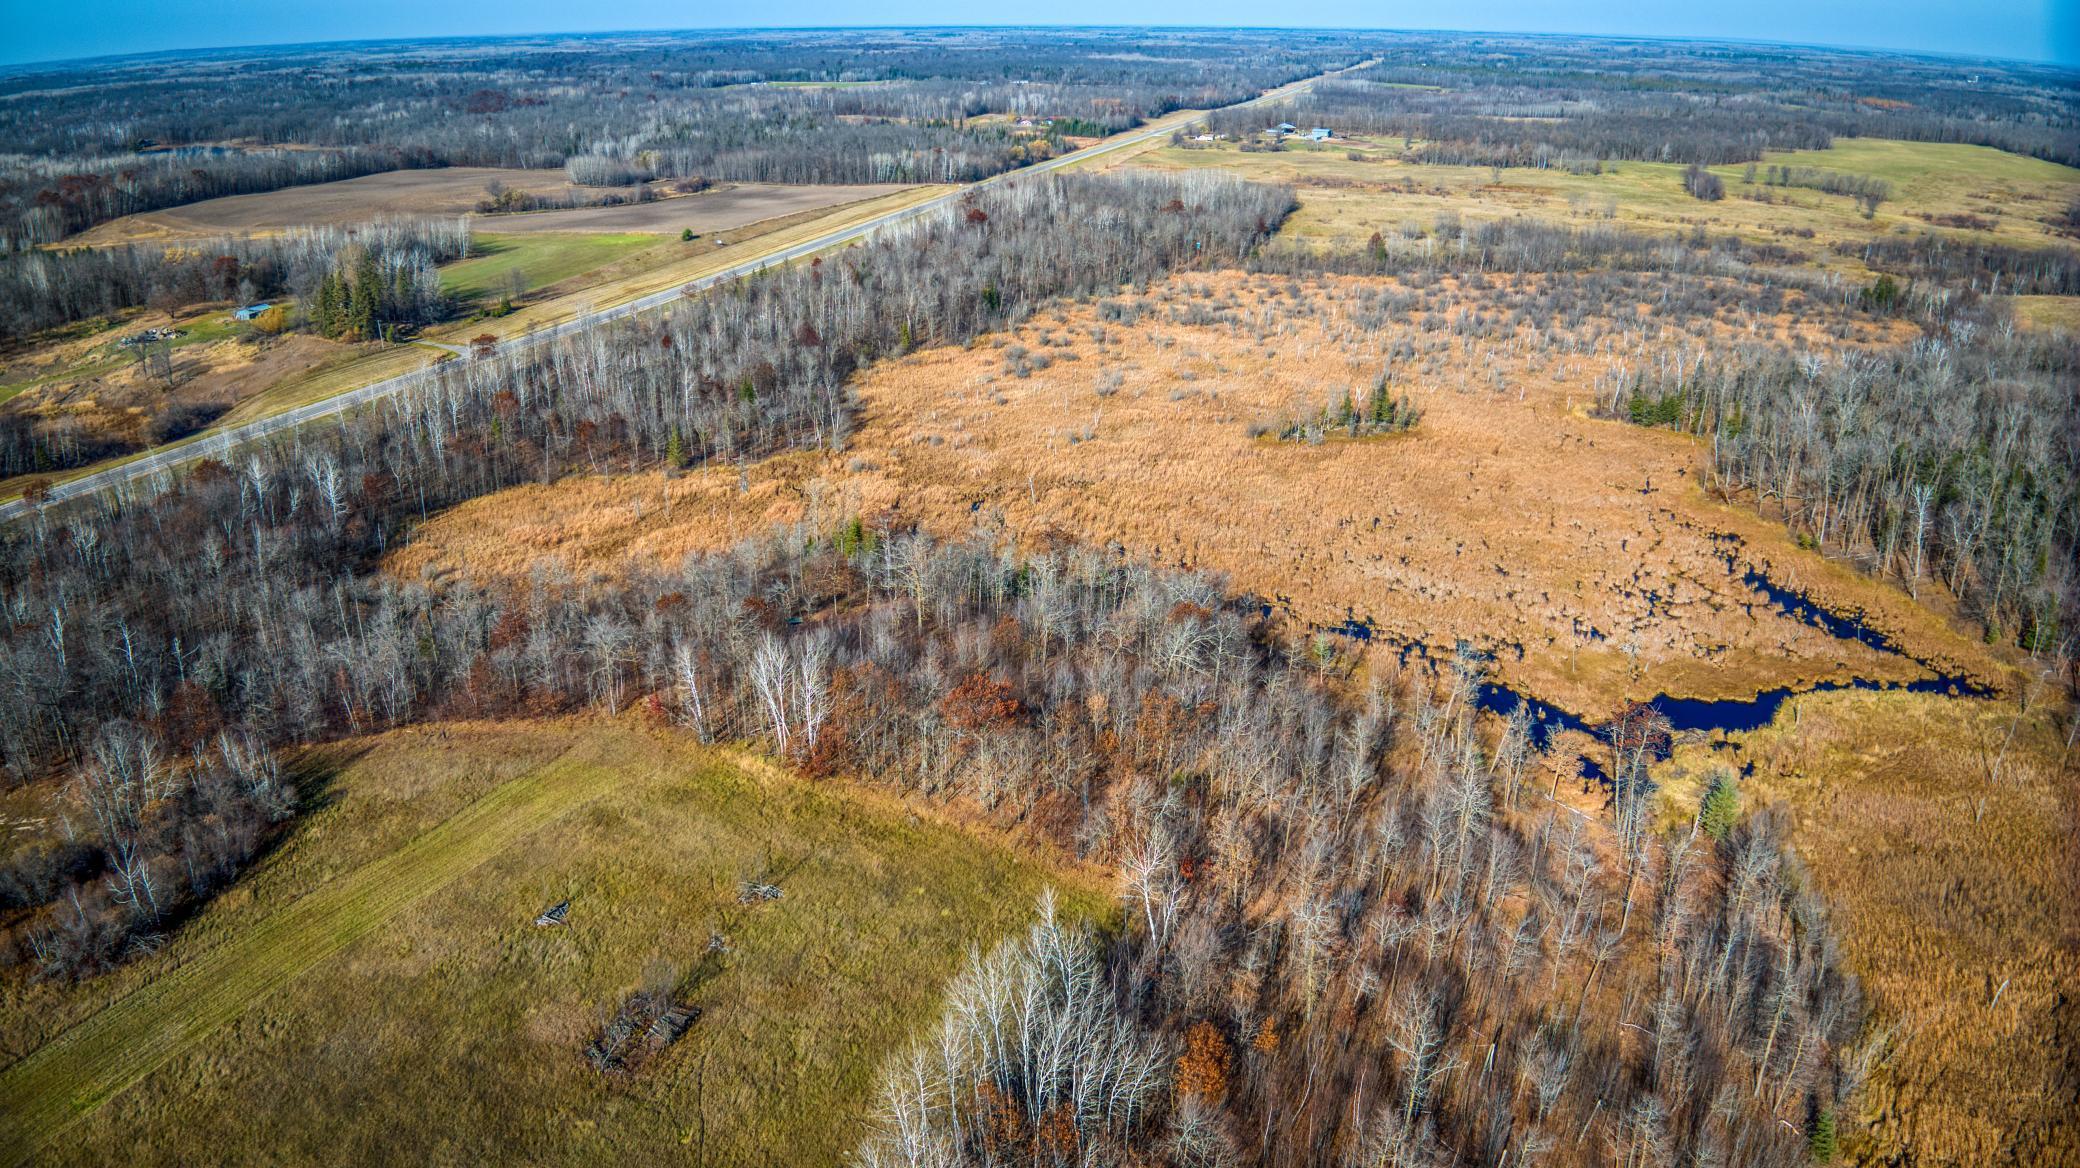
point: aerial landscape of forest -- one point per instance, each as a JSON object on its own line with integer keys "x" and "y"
{"x": 1040, "y": 596}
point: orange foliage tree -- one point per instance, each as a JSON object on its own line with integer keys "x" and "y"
{"x": 1202, "y": 1070}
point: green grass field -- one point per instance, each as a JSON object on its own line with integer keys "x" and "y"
{"x": 542, "y": 259}
{"x": 1346, "y": 199}
{"x": 377, "y": 992}
{"x": 2049, "y": 312}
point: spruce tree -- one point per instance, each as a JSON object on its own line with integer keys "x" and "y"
{"x": 1722, "y": 807}
{"x": 1822, "y": 1141}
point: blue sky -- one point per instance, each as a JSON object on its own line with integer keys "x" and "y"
{"x": 2029, "y": 29}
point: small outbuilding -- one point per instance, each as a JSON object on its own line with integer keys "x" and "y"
{"x": 251, "y": 310}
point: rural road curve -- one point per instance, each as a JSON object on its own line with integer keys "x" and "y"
{"x": 223, "y": 442}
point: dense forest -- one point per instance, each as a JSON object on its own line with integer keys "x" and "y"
{"x": 1352, "y": 929}
{"x": 1549, "y": 101}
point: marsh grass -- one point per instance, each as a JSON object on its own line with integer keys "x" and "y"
{"x": 1942, "y": 834}
{"x": 1509, "y": 517}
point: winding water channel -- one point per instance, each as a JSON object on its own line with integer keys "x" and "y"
{"x": 1695, "y": 715}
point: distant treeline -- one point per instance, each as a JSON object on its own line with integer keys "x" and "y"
{"x": 1980, "y": 267}
{"x": 44, "y": 199}
{"x": 626, "y": 108}
{"x": 1559, "y": 102}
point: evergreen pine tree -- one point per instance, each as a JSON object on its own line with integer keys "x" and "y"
{"x": 1721, "y": 808}
{"x": 1822, "y": 1141}
{"x": 362, "y": 293}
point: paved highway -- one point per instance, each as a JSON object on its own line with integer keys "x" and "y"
{"x": 223, "y": 442}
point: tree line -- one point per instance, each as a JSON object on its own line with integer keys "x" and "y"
{"x": 1949, "y": 459}
{"x": 45, "y": 197}
{"x": 45, "y": 288}
{"x": 103, "y": 139}
{"x": 1984, "y": 268}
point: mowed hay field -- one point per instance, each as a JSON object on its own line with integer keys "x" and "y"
{"x": 1945, "y": 836}
{"x": 376, "y": 992}
{"x": 457, "y": 191}
{"x": 540, "y": 260}
{"x": 1582, "y": 552}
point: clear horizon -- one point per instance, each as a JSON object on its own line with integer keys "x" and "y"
{"x": 2036, "y": 31}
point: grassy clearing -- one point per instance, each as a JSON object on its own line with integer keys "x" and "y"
{"x": 93, "y": 348}
{"x": 1942, "y": 834}
{"x": 378, "y": 994}
{"x": 1343, "y": 199}
{"x": 540, "y": 259}
{"x": 1934, "y": 173}
{"x": 2049, "y": 312}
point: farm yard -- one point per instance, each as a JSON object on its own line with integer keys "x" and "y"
{"x": 383, "y": 962}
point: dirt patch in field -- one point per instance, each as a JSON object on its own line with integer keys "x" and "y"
{"x": 457, "y": 190}
{"x": 454, "y": 190}
{"x": 1581, "y": 552}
